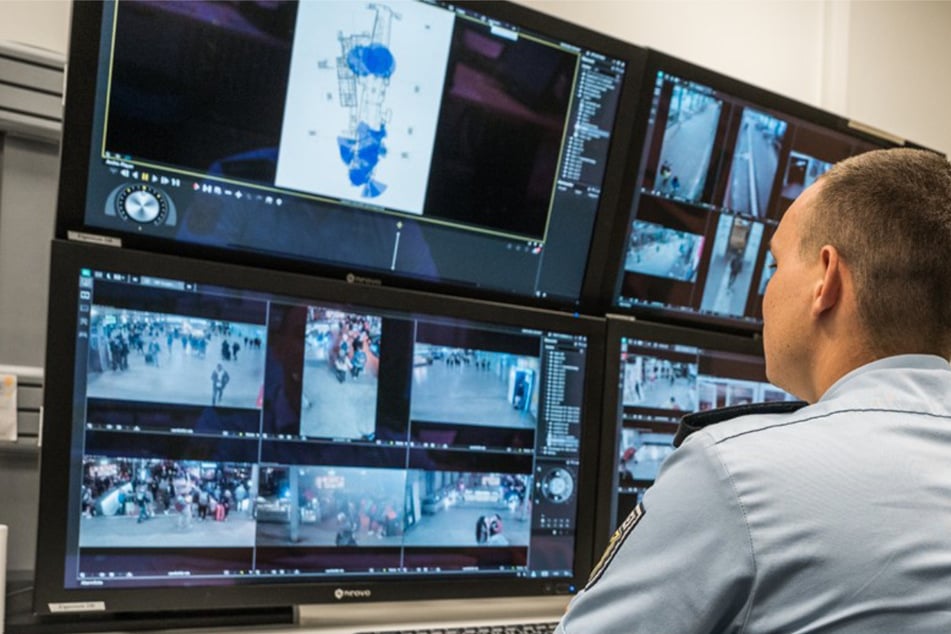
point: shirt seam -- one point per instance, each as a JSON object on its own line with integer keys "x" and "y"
{"x": 747, "y": 432}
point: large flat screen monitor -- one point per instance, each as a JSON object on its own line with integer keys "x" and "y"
{"x": 721, "y": 162}
{"x": 220, "y": 436}
{"x": 655, "y": 374}
{"x": 471, "y": 148}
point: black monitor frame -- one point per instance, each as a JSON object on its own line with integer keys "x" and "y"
{"x": 68, "y": 258}
{"x": 644, "y": 157}
{"x": 623, "y": 326}
{"x": 81, "y": 91}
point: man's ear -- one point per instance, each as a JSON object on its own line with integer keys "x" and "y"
{"x": 828, "y": 290}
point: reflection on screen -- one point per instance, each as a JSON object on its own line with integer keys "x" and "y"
{"x": 717, "y": 174}
{"x": 227, "y": 435}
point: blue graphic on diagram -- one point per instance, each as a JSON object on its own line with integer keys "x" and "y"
{"x": 364, "y": 70}
{"x": 363, "y": 100}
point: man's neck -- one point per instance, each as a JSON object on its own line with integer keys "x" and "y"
{"x": 835, "y": 361}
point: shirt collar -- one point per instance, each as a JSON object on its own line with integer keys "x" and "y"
{"x": 897, "y": 362}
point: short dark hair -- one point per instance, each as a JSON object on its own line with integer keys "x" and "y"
{"x": 888, "y": 212}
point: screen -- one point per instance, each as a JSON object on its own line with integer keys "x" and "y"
{"x": 720, "y": 164}
{"x": 463, "y": 147}
{"x": 655, "y": 375}
{"x": 222, "y": 428}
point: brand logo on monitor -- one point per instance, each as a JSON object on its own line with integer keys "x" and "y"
{"x": 356, "y": 279}
{"x": 340, "y": 594}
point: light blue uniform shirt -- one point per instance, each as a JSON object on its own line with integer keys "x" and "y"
{"x": 834, "y": 518}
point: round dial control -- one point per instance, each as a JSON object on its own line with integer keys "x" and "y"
{"x": 558, "y": 485}
{"x": 142, "y": 204}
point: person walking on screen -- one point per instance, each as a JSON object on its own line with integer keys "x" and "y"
{"x": 219, "y": 380}
{"x": 828, "y": 515}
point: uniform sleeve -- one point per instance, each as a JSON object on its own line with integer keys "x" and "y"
{"x": 682, "y": 563}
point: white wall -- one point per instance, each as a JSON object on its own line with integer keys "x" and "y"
{"x": 899, "y": 55}
{"x": 40, "y": 23}
{"x": 880, "y": 62}
{"x": 726, "y": 36}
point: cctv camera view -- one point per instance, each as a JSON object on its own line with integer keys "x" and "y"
{"x": 717, "y": 173}
{"x": 801, "y": 172}
{"x": 730, "y": 272}
{"x": 221, "y": 432}
{"x": 130, "y": 502}
{"x": 365, "y": 507}
{"x": 477, "y": 387}
{"x": 642, "y": 452}
{"x": 663, "y": 252}
{"x": 424, "y": 135}
{"x": 659, "y": 382}
{"x": 689, "y": 133}
{"x": 755, "y": 161}
{"x": 341, "y": 367}
{"x": 139, "y": 355}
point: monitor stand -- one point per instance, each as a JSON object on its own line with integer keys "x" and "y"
{"x": 347, "y": 618}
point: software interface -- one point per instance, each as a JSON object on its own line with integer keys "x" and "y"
{"x": 717, "y": 175}
{"x": 225, "y": 436}
{"x": 390, "y": 138}
{"x": 658, "y": 383}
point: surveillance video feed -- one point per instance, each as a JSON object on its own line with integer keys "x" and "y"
{"x": 330, "y": 506}
{"x": 660, "y": 383}
{"x": 223, "y": 432}
{"x": 716, "y": 392}
{"x": 135, "y": 503}
{"x": 465, "y": 509}
{"x": 755, "y": 161}
{"x": 730, "y": 272}
{"x": 801, "y": 172}
{"x": 341, "y": 369}
{"x": 685, "y": 155}
{"x": 475, "y": 387}
{"x": 663, "y": 252}
{"x": 717, "y": 171}
{"x": 147, "y": 356}
{"x": 350, "y": 506}
{"x": 642, "y": 453}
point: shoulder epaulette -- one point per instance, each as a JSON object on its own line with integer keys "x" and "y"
{"x": 698, "y": 420}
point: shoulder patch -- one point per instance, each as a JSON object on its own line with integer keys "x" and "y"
{"x": 616, "y": 540}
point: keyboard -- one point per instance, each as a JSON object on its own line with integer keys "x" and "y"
{"x": 516, "y": 628}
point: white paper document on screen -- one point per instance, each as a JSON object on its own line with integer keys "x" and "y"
{"x": 8, "y": 407}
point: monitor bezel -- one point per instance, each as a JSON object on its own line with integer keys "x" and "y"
{"x": 624, "y": 326}
{"x": 80, "y": 94}
{"x": 658, "y": 61}
{"x": 66, "y": 261}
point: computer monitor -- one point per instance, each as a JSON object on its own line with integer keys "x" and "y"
{"x": 218, "y": 436}
{"x": 720, "y": 162}
{"x": 467, "y": 147}
{"x": 655, "y": 374}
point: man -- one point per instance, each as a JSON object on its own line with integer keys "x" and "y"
{"x": 219, "y": 380}
{"x": 835, "y": 517}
